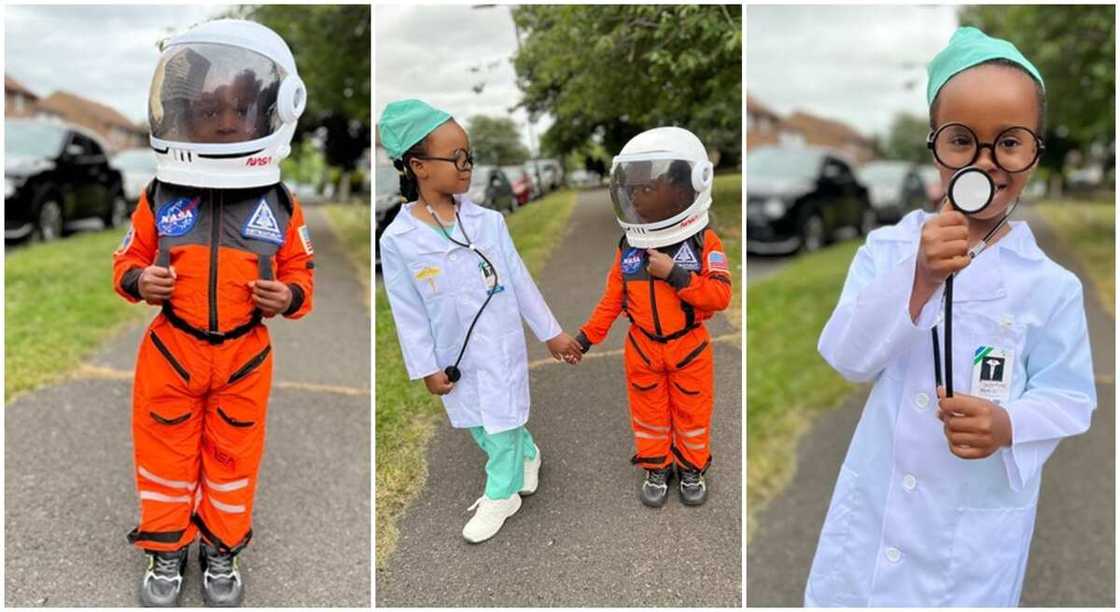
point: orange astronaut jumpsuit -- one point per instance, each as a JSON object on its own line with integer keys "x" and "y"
{"x": 668, "y": 350}
{"x": 204, "y": 369}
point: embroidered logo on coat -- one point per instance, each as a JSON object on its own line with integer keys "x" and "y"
{"x": 631, "y": 261}
{"x": 262, "y": 225}
{"x": 178, "y": 216}
{"x": 305, "y": 238}
{"x": 686, "y": 258}
{"x": 125, "y": 242}
{"x": 717, "y": 262}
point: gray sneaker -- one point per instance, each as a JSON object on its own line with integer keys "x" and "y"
{"x": 655, "y": 488}
{"x": 694, "y": 491}
{"x": 221, "y": 577}
{"x": 163, "y": 578}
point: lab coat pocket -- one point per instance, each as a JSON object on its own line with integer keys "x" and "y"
{"x": 995, "y": 334}
{"x": 828, "y": 584}
{"x": 989, "y": 551}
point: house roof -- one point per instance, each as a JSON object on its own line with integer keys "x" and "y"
{"x": 86, "y": 112}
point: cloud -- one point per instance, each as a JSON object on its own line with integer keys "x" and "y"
{"x": 858, "y": 64}
{"x": 104, "y": 53}
{"x": 439, "y": 53}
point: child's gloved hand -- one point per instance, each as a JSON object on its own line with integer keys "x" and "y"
{"x": 944, "y": 246}
{"x": 439, "y": 383}
{"x": 156, "y": 284}
{"x": 974, "y": 427}
{"x": 270, "y": 296}
{"x": 565, "y": 348}
{"x": 660, "y": 264}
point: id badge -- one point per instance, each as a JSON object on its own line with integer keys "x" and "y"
{"x": 991, "y": 373}
{"x": 489, "y": 278}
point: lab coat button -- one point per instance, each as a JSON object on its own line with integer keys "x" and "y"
{"x": 893, "y": 555}
{"x": 454, "y": 257}
{"x": 921, "y": 401}
{"x": 909, "y": 482}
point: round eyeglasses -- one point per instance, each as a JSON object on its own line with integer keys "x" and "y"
{"x": 463, "y": 160}
{"x": 956, "y": 146}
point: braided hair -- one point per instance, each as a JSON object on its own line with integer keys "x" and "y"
{"x": 409, "y": 186}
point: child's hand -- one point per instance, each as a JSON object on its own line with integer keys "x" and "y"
{"x": 660, "y": 264}
{"x": 975, "y": 428}
{"x": 156, "y": 283}
{"x": 271, "y": 297}
{"x": 564, "y": 347}
{"x": 438, "y": 383}
{"x": 944, "y": 246}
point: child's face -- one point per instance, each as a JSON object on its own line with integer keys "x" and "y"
{"x": 226, "y": 114}
{"x": 989, "y": 99}
{"x": 657, "y": 201}
{"x": 449, "y": 141}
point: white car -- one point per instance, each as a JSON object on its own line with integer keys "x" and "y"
{"x": 138, "y": 167}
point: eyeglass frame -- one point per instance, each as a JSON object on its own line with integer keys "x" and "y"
{"x": 1039, "y": 143}
{"x": 469, "y": 160}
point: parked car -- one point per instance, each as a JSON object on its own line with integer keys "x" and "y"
{"x": 490, "y": 188}
{"x": 523, "y": 188}
{"x": 895, "y": 188}
{"x": 137, "y": 168}
{"x": 387, "y": 203}
{"x": 551, "y": 173}
{"x": 56, "y": 173}
{"x": 584, "y": 179}
{"x": 800, "y": 198}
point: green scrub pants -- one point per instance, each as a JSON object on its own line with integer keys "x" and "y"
{"x": 506, "y": 453}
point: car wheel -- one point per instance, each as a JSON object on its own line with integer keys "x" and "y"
{"x": 867, "y": 221}
{"x": 117, "y": 213}
{"x": 49, "y": 221}
{"x": 812, "y": 233}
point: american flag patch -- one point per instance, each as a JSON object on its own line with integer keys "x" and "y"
{"x": 717, "y": 262}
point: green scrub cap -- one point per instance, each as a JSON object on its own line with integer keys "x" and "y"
{"x": 405, "y": 123}
{"x": 967, "y": 48}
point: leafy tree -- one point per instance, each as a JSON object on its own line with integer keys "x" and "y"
{"x": 607, "y": 73}
{"x": 906, "y": 139}
{"x": 496, "y": 141}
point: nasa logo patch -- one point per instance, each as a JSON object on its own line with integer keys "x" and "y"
{"x": 631, "y": 261}
{"x": 178, "y": 216}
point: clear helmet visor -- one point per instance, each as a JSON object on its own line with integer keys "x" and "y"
{"x": 651, "y": 191}
{"x": 205, "y": 93}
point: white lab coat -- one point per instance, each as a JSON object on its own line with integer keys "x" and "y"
{"x": 910, "y": 524}
{"x": 435, "y": 289}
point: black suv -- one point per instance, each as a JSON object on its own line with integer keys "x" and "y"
{"x": 56, "y": 173}
{"x": 800, "y": 197}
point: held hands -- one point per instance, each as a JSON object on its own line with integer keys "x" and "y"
{"x": 270, "y": 296}
{"x": 975, "y": 428}
{"x": 565, "y": 348}
{"x": 944, "y": 246}
{"x": 156, "y": 283}
{"x": 660, "y": 264}
{"x": 438, "y": 383}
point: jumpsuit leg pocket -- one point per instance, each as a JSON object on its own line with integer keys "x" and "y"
{"x": 989, "y": 549}
{"x": 166, "y": 352}
{"x": 827, "y": 584}
{"x": 250, "y": 365}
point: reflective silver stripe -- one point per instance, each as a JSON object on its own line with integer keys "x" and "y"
{"x": 160, "y": 497}
{"x": 692, "y": 433}
{"x": 650, "y": 427}
{"x": 228, "y": 486}
{"x": 649, "y": 436}
{"x": 174, "y": 484}
{"x": 695, "y": 446}
{"x": 226, "y": 507}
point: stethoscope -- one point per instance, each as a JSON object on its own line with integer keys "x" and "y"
{"x": 970, "y": 191}
{"x": 452, "y": 371}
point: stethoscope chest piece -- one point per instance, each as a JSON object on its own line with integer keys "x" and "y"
{"x": 971, "y": 190}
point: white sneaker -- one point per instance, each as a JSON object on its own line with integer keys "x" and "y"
{"x": 491, "y": 514}
{"x": 532, "y": 471}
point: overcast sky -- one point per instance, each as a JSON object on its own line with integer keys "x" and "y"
{"x": 857, "y": 64}
{"x": 103, "y": 53}
{"x": 440, "y": 53}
